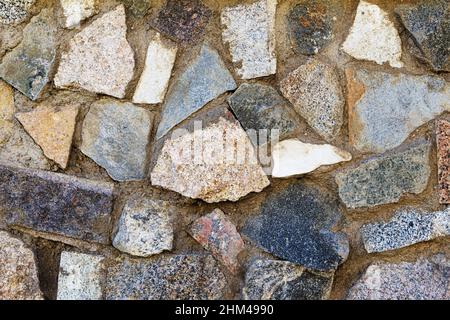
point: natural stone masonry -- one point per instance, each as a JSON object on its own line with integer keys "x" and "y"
{"x": 56, "y": 203}
{"x": 137, "y": 8}
{"x": 443, "y": 148}
{"x": 81, "y": 276}
{"x": 14, "y": 11}
{"x": 428, "y": 23}
{"x": 176, "y": 277}
{"x": 293, "y": 157}
{"x": 203, "y": 80}
{"x": 316, "y": 95}
{"x": 145, "y": 227}
{"x": 52, "y": 129}
{"x": 6, "y": 112}
{"x": 217, "y": 234}
{"x": 282, "y": 280}
{"x": 386, "y": 178}
{"x": 99, "y": 58}
{"x": 384, "y": 109}
{"x": 115, "y": 135}
{"x": 249, "y": 31}
{"x": 374, "y": 37}
{"x": 296, "y": 225}
{"x": 28, "y": 65}
{"x": 19, "y": 280}
{"x": 424, "y": 279}
{"x": 76, "y": 11}
{"x": 406, "y": 228}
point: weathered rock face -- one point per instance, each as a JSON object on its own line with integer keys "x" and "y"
{"x": 425, "y": 279}
{"x": 14, "y": 11}
{"x": 250, "y": 34}
{"x": 99, "y": 58}
{"x": 138, "y": 8}
{"x": 28, "y": 65}
{"x": 6, "y": 112}
{"x": 19, "y": 280}
{"x": 56, "y": 203}
{"x": 384, "y": 179}
{"x": 179, "y": 277}
{"x": 428, "y": 23}
{"x": 115, "y": 136}
{"x": 384, "y": 108}
{"x": 76, "y": 11}
{"x": 145, "y": 227}
{"x": 406, "y": 228}
{"x": 374, "y": 37}
{"x": 296, "y": 225}
{"x": 316, "y": 95}
{"x": 282, "y": 280}
{"x": 205, "y": 79}
{"x": 443, "y": 147}
{"x": 293, "y": 157}
{"x": 217, "y": 234}
{"x": 81, "y": 276}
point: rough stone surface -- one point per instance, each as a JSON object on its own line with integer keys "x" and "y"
{"x": 292, "y": 157}
{"x": 406, "y": 228}
{"x": 52, "y": 130}
{"x": 28, "y": 65}
{"x": 217, "y": 234}
{"x": 155, "y": 78}
{"x": 176, "y": 277}
{"x": 316, "y": 95}
{"x": 384, "y": 108}
{"x": 428, "y": 23}
{"x": 203, "y": 80}
{"x": 6, "y": 112}
{"x": 76, "y": 11}
{"x": 249, "y": 31}
{"x": 424, "y": 279}
{"x": 115, "y": 135}
{"x": 282, "y": 280}
{"x": 145, "y": 227}
{"x": 183, "y": 20}
{"x": 99, "y": 58}
{"x": 14, "y": 11}
{"x": 19, "y": 280}
{"x": 443, "y": 147}
{"x": 56, "y": 203}
{"x": 386, "y": 178}
{"x": 138, "y": 8}
{"x": 374, "y": 37}
{"x": 296, "y": 225}
{"x": 81, "y": 276}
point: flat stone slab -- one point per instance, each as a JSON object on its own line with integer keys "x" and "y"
{"x": 56, "y": 203}
{"x": 384, "y": 108}
{"x": 76, "y": 11}
{"x": 283, "y": 280}
{"x": 249, "y": 31}
{"x": 174, "y": 277}
{"x": 28, "y": 65}
{"x": 386, "y": 178}
{"x": 296, "y": 225}
{"x": 443, "y": 149}
{"x": 14, "y": 11}
{"x": 407, "y": 227}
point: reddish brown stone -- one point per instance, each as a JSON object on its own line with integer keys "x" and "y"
{"x": 443, "y": 146}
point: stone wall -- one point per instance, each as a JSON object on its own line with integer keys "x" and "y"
{"x": 116, "y": 117}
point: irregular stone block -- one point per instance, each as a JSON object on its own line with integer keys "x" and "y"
{"x": 386, "y": 178}
{"x": 14, "y": 11}
{"x": 6, "y": 112}
{"x": 250, "y": 34}
{"x": 282, "y": 280}
{"x": 385, "y": 108}
{"x": 76, "y": 11}
{"x": 56, "y": 203}
{"x": 138, "y": 8}
{"x": 115, "y": 135}
{"x": 296, "y": 225}
{"x": 443, "y": 147}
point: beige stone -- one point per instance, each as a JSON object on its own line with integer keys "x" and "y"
{"x": 6, "y": 112}
{"x": 76, "y": 11}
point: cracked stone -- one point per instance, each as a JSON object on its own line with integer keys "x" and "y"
{"x": 443, "y": 148}
{"x": 76, "y": 11}
{"x": 14, "y": 11}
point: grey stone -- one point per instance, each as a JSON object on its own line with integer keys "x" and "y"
{"x": 424, "y": 279}
{"x": 406, "y": 228}
{"x": 27, "y": 66}
{"x": 385, "y": 108}
{"x": 282, "y": 280}
{"x": 203, "y": 80}
{"x": 14, "y": 11}
{"x": 297, "y": 225}
{"x": 179, "y": 277}
{"x": 145, "y": 227}
{"x": 115, "y": 135}
{"x": 56, "y": 203}
{"x": 386, "y": 178}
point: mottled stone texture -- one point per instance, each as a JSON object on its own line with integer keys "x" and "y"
{"x": 178, "y": 277}
{"x": 76, "y": 11}
{"x": 296, "y": 225}
{"x": 6, "y": 112}
{"x": 443, "y": 148}
{"x": 138, "y": 8}
{"x": 56, "y": 203}
{"x": 14, "y": 11}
